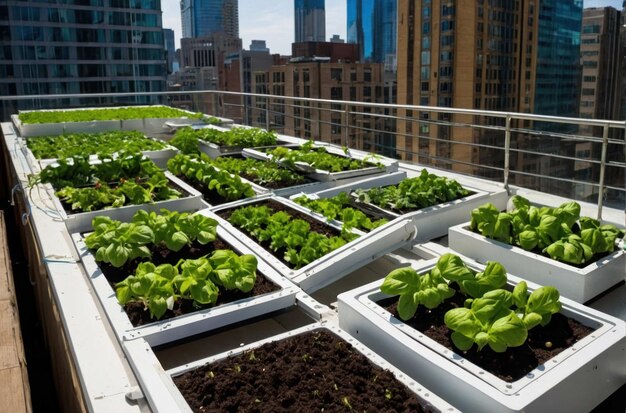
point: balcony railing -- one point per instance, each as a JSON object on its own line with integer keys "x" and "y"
{"x": 582, "y": 159}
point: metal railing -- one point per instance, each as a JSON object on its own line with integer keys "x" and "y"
{"x": 582, "y": 159}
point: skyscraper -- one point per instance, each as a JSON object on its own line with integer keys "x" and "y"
{"x": 206, "y": 17}
{"x": 170, "y": 49}
{"x": 504, "y": 56}
{"x": 310, "y": 21}
{"x": 372, "y": 24}
{"x": 60, "y": 47}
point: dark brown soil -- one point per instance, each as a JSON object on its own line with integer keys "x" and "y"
{"x": 516, "y": 362}
{"x": 136, "y": 312}
{"x": 316, "y": 226}
{"x": 311, "y": 372}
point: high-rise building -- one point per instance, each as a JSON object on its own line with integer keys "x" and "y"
{"x": 599, "y": 51}
{"x": 504, "y": 56}
{"x": 170, "y": 49}
{"x": 206, "y": 17}
{"x": 310, "y": 21}
{"x": 322, "y": 79}
{"x": 599, "y": 97}
{"x": 60, "y": 47}
{"x": 372, "y": 24}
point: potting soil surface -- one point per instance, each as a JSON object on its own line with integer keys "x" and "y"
{"x": 542, "y": 344}
{"x": 310, "y": 372}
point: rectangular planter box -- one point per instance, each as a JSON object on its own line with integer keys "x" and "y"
{"x": 163, "y": 395}
{"x": 159, "y": 157}
{"x": 164, "y": 331}
{"x": 578, "y": 284}
{"x": 595, "y": 364}
{"x": 431, "y": 222}
{"x": 335, "y": 264}
{"x": 81, "y": 222}
{"x": 389, "y": 165}
{"x": 148, "y": 126}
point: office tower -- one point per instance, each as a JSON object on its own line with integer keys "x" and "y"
{"x": 60, "y": 47}
{"x": 170, "y": 49}
{"x": 599, "y": 97}
{"x": 372, "y": 24}
{"x": 491, "y": 55}
{"x": 206, "y": 17}
{"x": 310, "y": 21}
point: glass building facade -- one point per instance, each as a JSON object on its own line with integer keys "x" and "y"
{"x": 78, "y": 47}
{"x": 372, "y": 24}
{"x": 558, "y": 69}
{"x": 310, "y": 21}
{"x": 205, "y": 17}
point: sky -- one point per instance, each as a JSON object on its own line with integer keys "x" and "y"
{"x": 273, "y": 20}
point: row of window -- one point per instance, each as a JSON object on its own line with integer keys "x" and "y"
{"x": 80, "y": 70}
{"x": 54, "y": 88}
{"x": 67, "y": 34}
{"x": 78, "y": 53}
{"x": 53, "y": 15}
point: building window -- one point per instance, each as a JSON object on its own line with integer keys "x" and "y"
{"x": 426, "y": 28}
{"x": 335, "y": 74}
{"x": 588, "y": 92}
{"x": 425, "y": 73}
{"x": 336, "y": 93}
{"x": 367, "y": 75}
{"x": 426, "y": 58}
{"x": 367, "y": 91}
{"x": 425, "y": 87}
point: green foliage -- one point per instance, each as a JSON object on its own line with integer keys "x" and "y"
{"x": 429, "y": 289}
{"x": 491, "y": 316}
{"x": 84, "y": 144}
{"x": 58, "y": 116}
{"x": 114, "y": 182}
{"x": 412, "y": 194}
{"x": 228, "y": 186}
{"x": 186, "y": 139}
{"x": 501, "y": 319}
{"x": 117, "y": 242}
{"x": 318, "y": 158}
{"x": 157, "y": 287}
{"x": 559, "y": 232}
{"x": 337, "y": 208}
{"x": 300, "y": 245}
{"x": 261, "y": 172}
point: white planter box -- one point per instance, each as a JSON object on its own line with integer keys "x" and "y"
{"x": 578, "y": 284}
{"x": 334, "y": 265}
{"x": 164, "y": 331}
{"x": 159, "y": 157}
{"x": 431, "y": 222}
{"x": 389, "y": 165}
{"x": 163, "y": 395}
{"x": 595, "y": 364}
{"x": 148, "y": 126}
{"x": 81, "y": 222}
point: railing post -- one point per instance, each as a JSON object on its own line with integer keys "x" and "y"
{"x": 605, "y": 145}
{"x": 345, "y": 126}
{"x": 267, "y": 114}
{"x": 246, "y": 120}
{"x": 507, "y": 153}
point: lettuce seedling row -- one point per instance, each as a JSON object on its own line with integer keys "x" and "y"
{"x": 579, "y": 283}
{"x": 431, "y": 222}
{"x": 167, "y": 330}
{"x": 587, "y": 364}
{"x": 371, "y": 164}
{"x": 336, "y": 263}
{"x": 147, "y": 119}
